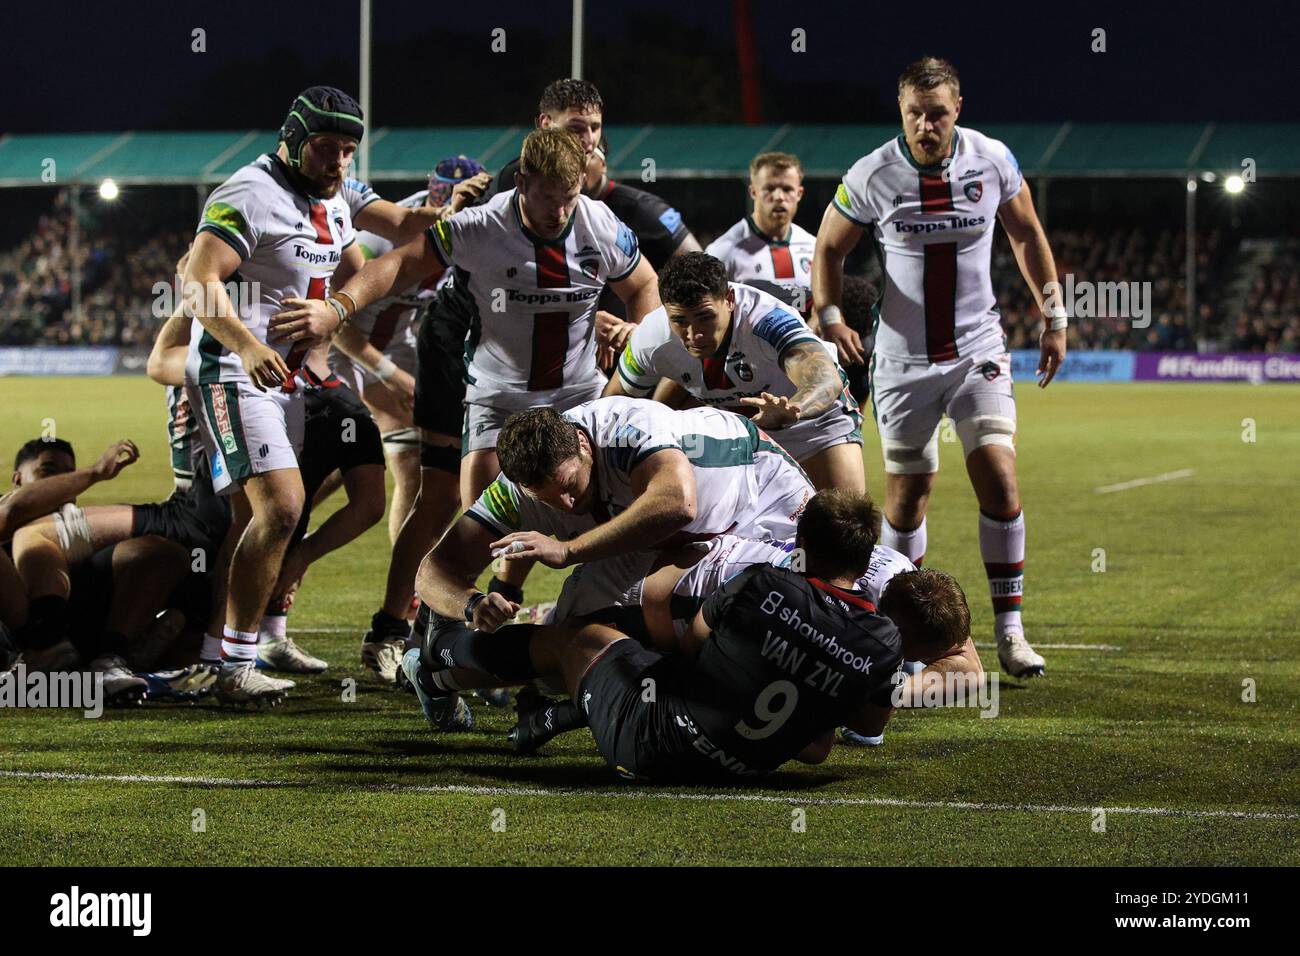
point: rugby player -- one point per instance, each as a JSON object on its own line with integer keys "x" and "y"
{"x": 281, "y": 223}
{"x": 773, "y": 662}
{"x": 769, "y": 244}
{"x": 930, "y": 198}
{"x": 734, "y": 347}
{"x": 529, "y": 265}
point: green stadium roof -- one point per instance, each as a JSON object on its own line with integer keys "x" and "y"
{"x": 1043, "y": 149}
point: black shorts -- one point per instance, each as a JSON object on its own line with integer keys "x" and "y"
{"x": 642, "y": 740}
{"x": 440, "y": 365}
{"x": 339, "y": 433}
{"x": 196, "y": 518}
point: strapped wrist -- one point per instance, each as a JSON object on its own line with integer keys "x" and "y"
{"x": 829, "y": 315}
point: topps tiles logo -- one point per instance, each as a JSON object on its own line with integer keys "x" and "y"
{"x": 76, "y": 909}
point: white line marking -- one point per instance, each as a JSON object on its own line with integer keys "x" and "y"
{"x": 1139, "y": 482}
{"x": 791, "y": 798}
{"x": 1065, "y": 647}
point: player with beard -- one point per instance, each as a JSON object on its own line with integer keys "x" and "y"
{"x": 931, "y": 197}
{"x": 280, "y": 223}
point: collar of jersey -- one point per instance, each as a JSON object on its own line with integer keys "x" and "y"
{"x": 762, "y": 235}
{"x": 937, "y": 167}
{"x": 534, "y": 237}
{"x": 289, "y": 180}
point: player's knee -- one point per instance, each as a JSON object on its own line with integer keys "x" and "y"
{"x": 73, "y": 533}
{"x": 445, "y": 458}
{"x": 280, "y": 519}
{"x": 910, "y": 457}
{"x": 980, "y": 430}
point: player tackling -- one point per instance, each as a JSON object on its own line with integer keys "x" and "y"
{"x": 930, "y": 198}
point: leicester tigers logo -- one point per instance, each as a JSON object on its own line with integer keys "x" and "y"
{"x": 974, "y": 190}
{"x": 990, "y": 370}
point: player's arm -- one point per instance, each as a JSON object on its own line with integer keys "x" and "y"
{"x": 353, "y": 343}
{"x": 672, "y": 394}
{"x": 818, "y": 750}
{"x": 835, "y": 240}
{"x": 959, "y": 660}
{"x": 688, "y": 244}
{"x": 818, "y": 383}
{"x": 448, "y": 576}
{"x": 639, "y": 291}
{"x": 398, "y": 224}
{"x": 1034, "y": 256}
{"x": 212, "y": 262}
{"x": 166, "y": 363}
{"x": 39, "y": 498}
{"x": 664, "y": 486}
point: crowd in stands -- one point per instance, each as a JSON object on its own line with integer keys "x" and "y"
{"x": 118, "y": 276}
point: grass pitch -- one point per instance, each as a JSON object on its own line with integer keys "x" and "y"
{"x": 1142, "y": 714}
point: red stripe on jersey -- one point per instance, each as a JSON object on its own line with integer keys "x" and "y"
{"x": 550, "y": 345}
{"x": 298, "y": 354}
{"x": 386, "y": 324}
{"x": 936, "y": 194}
{"x": 843, "y": 595}
{"x": 715, "y": 373}
{"x": 782, "y": 262}
{"x": 321, "y": 224}
{"x": 552, "y": 270}
{"x": 940, "y": 285}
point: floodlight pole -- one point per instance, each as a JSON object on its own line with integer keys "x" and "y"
{"x": 363, "y": 148}
{"x": 575, "y": 63}
{"x": 74, "y": 249}
{"x": 1190, "y": 274}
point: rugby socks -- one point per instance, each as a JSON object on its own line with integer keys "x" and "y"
{"x": 910, "y": 543}
{"x": 502, "y": 654}
{"x": 566, "y": 716}
{"x": 1002, "y": 546}
{"x": 238, "y": 647}
{"x": 385, "y": 627}
{"x": 211, "y": 652}
{"x": 511, "y": 592}
{"x": 273, "y": 626}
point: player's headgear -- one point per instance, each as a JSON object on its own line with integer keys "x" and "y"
{"x": 320, "y": 109}
{"x": 449, "y": 172}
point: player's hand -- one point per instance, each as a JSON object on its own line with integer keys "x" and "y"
{"x": 847, "y": 342}
{"x": 463, "y": 194}
{"x": 310, "y": 320}
{"x": 292, "y": 570}
{"x": 1051, "y": 357}
{"x": 532, "y": 546}
{"x": 492, "y": 612}
{"x": 402, "y": 385}
{"x": 612, "y": 334}
{"x": 118, "y": 456}
{"x": 773, "y": 411}
{"x": 264, "y": 366}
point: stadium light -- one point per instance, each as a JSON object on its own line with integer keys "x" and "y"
{"x": 1208, "y": 177}
{"x": 1234, "y": 185}
{"x": 108, "y": 190}
{"x": 1191, "y": 185}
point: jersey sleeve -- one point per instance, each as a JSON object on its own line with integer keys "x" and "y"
{"x": 659, "y": 228}
{"x": 636, "y": 369}
{"x": 618, "y": 244}
{"x": 235, "y": 213}
{"x": 781, "y": 328}
{"x": 1010, "y": 178}
{"x": 497, "y": 508}
{"x": 851, "y": 196}
{"x": 740, "y": 590}
{"x": 357, "y": 195}
{"x": 450, "y": 236}
{"x": 721, "y": 249}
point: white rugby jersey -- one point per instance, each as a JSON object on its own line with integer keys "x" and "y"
{"x": 357, "y": 195}
{"x": 744, "y": 483}
{"x": 390, "y": 318}
{"x": 750, "y": 254}
{"x": 289, "y": 245}
{"x": 935, "y": 229}
{"x": 532, "y": 341}
{"x": 747, "y": 364}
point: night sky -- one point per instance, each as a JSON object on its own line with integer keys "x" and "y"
{"x": 72, "y": 66}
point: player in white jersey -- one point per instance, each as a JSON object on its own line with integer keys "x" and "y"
{"x": 277, "y": 228}
{"x": 930, "y": 197}
{"x": 613, "y": 481}
{"x": 769, "y": 244}
{"x": 731, "y": 346}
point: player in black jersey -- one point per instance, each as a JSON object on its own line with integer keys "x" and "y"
{"x": 774, "y": 662}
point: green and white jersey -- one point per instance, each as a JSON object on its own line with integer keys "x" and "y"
{"x": 532, "y": 338}
{"x": 289, "y": 245}
{"x": 934, "y": 226}
{"x": 750, "y": 254}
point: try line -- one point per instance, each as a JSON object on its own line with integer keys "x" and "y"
{"x": 796, "y": 799}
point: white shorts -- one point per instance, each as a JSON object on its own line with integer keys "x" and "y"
{"x": 245, "y": 431}
{"x": 483, "y": 423}
{"x": 837, "y": 426}
{"x": 401, "y": 350}
{"x": 609, "y": 582}
{"x": 910, "y": 398}
{"x": 727, "y": 556}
